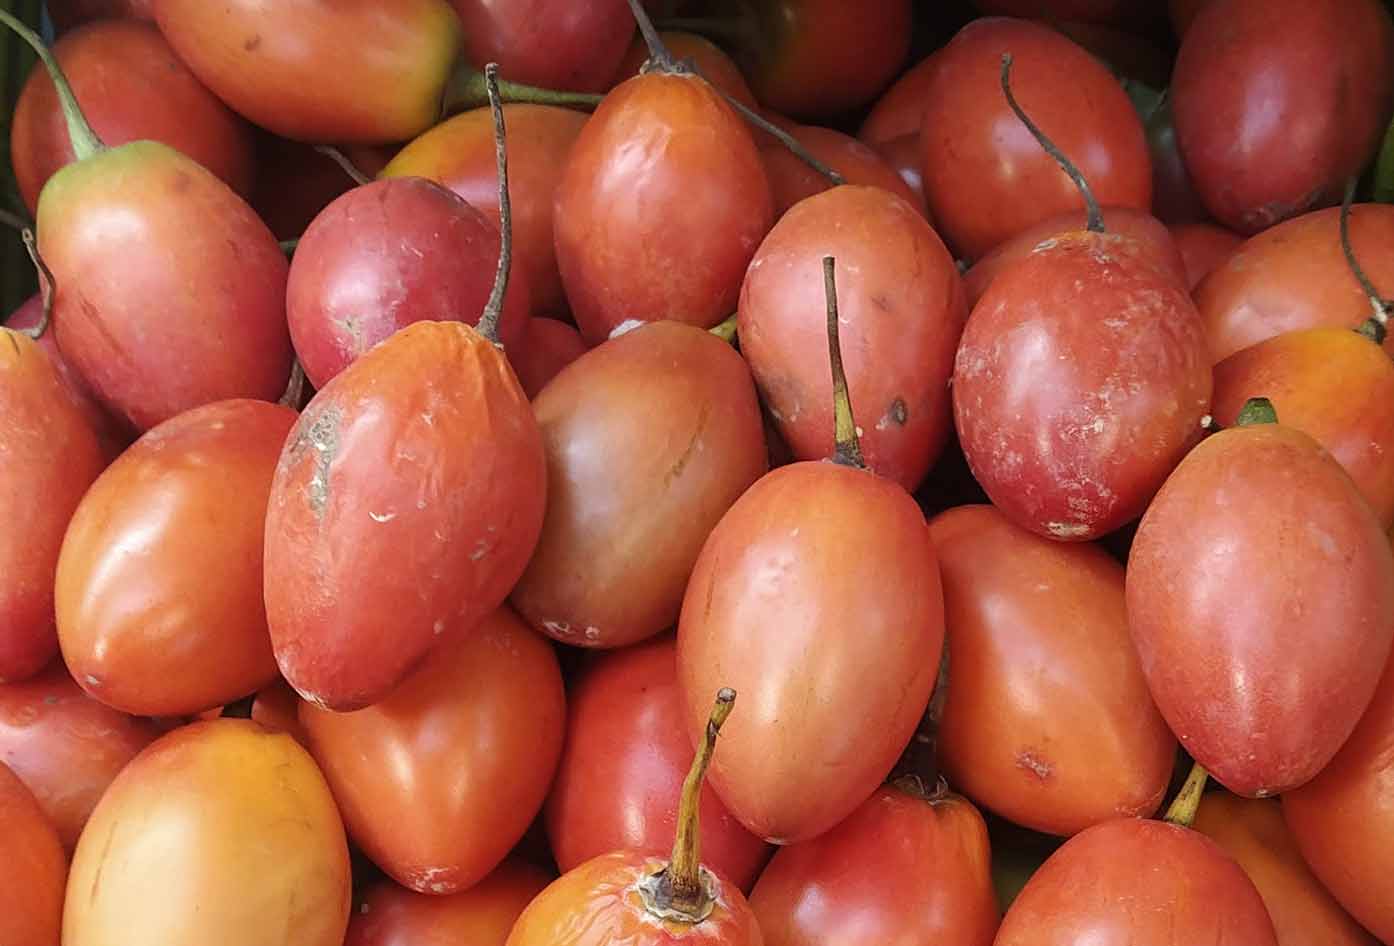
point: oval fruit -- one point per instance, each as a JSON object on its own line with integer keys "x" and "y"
{"x": 32, "y": 868}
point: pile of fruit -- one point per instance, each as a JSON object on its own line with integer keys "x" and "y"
{"x": 785, "y": 472}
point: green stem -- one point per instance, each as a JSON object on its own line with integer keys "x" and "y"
{"x": 493, "y": 311}
{"x": 849, "y": 448}
{"x": 288, "y": 246}
{"x": 469, "y": 89}
{"x": 1377, "y": 325}
{"x": 84, "y": 140}
{"x": 726, "y": 331}
{"x": 1256, "y": 410}
{"x": 46, "y": 286}
{"x": 1183, "y": 807}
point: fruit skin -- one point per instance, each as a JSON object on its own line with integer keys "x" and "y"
{"x": 1334, "y": 385}
{"x": 170, "y": 290}
{"x": 898, "y": 111}
{"x": 1277, "y": 103}
{"x": 203, "y": 838}
{"x": 901, "y": 309}
{"x": 1343, "y": 820}
{"x": 385, "y": 255}
{"x": 1048, "y": 720}
{"x": 284, "y": 68}
{"x": 65, "y": 746}
{"x": 817, "y": 599}
{"x": 650, "y": 437}
{"x": 792, "y": 179}
{"x": 622, "y": 769}
{"x": 1288, "y": 559}
{"x": 131, "y": 87}
{"x": 985, "y": 177}
{"x": 459, "y": 153}
{"x": 1203, "y": 248}
{"x": 1128, "y": 881}
{"x": 441, "y": 778}
{"x": 1252, "y": 831}
{"x": 556, "y": 44}
{"x": 48, "y": 457}
{"x": 631, "y": 242}
{"x": 67, "y": 14}
{"x": 899, "y": 871}
{"x": 295, "y": 182}
{"x": 1080, "y": 383}
{"x": 598, "y": 904}
{"x": 549, "y": 345}
{"x": 1294, "y": 276}
{"x": 159, "y": 583}
{"x": 408, "y": 499}
{"x": 711, "y": 61}
{"x": 32, "y": 868}
{"x": 480, "y": 916}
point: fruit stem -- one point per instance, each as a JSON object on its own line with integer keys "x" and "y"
{"x": 1377, "y": 325}
{"x": 46, "y": 286}
{"x": 1256, "y": 410}
{"x": 770, "y": 128}
{"x": 1182, "y": 810}
{"x": 468, "y": 88}
{"x": 677, "y": 892}
{"x": 288, "y": 246}
{"x": 348, "y": 167}
{"x": 84, "y": 140}
{"x": 1096, "y": 216}
{"x": 849, "y": 448}
{"x": 295, "y": 387}
{"x": 726, "y": 331}
{"x": 660, "y": 57}
{"x": 493, "y": 311}
{"x": 13, "y": 221}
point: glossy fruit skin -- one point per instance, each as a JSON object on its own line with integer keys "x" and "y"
{"x": 159, "y": 583}
{"x": 1288, "y": 558}
{"x": 480, "y": 916}
{"x": 650, "y": 438}
{"x": 243, "y": 817}
{"x": 65, "y": 746}
{"x": 459, "y": 154}
{"x": 48, "y": 457}
{"x": 1048, "y": 720}
{"x": 1125, "y": 221}
{"x": 189, "y": 310}
{"x": 439, "y": 779}
{"x": 408, "y": 499}
{"x": 283, "y": 67}
{"x": 903, "y": 155}
{"x": 131, "y": 87}
{"x": 549, "y": 345}
{"x": 1203, "y": 248}
{"x": 901, "y": 309}
{"x": 1080, "y": 383}
{"x": 598, "y": 904}
{"x": 899, "y": 871}
{"x": 801, "y": 590}
{"x": 1252, "y": 831}
{"x": 1334, "y": 385}
{"x": 711, "y": 61}
{"x": 557, "y": 44}
{"x": 67, "y": 14}
{"x": 792, "y": 179}
{"x": 625, "y": 757}
{"x": 898, "y": 111}
{"x": 1276, "y": 104}
{"x": 385, "y": 255}
{"x": 630, "y": 240}
{"x": 985, "y": 177}
{"x": 1343, "y": 820}
{"x": 1295, "y": 276}
{"x": 1129, "y": 881}
{"x": 32, "y": 868}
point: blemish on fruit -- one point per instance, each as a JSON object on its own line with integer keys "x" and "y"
{"x": 896, "y": 414}
{"x": 1030, "y": 762}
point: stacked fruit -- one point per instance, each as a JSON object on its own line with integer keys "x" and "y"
{"x": 446, "y": 433}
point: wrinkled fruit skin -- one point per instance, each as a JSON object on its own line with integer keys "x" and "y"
{"x": 1048, "y": 720}
{"x": 1126, "y": 882}
{"x": 899, "y": 871}
{"x": 49, "y": 456}
{"x": 1287, "y": 560}
{"x": 650, "y": 438}
{"x": 408, "y": 500}
{"x": 32, "y": 868}
{"x": 1080, "y": 383}
{"x": 1277, "y": 103}
{"x": 599, "y": 904}
{"x": 817, "y": 600}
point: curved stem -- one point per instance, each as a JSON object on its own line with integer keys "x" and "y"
{"x": 493, "y": 311}
{"x": 47, "y": 286}
{"x": 726, "y": 331}
{"x": 347, "y": 166}
{"x": 1096, "y": 216}
{"x": 468, "y": 88}
{"x": 13, "y": 220}
{"x": 1377, "y": 325}
{"x": 1183, "y": 807}
{"x": 1256, "y": 410}
{"x": 660, "y": 57}
{"x": 764, "y": 124}
{"x": 295, "y": 387}
{"x": 84, "y": 140}
{"x": 849, "y": 448}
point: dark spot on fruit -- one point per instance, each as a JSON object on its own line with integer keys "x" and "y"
{"x": 252, "y": 44}
{"x": 181, "y": 182}
{"x": 896, "y": 415}
{"x": 881, "y": 302}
